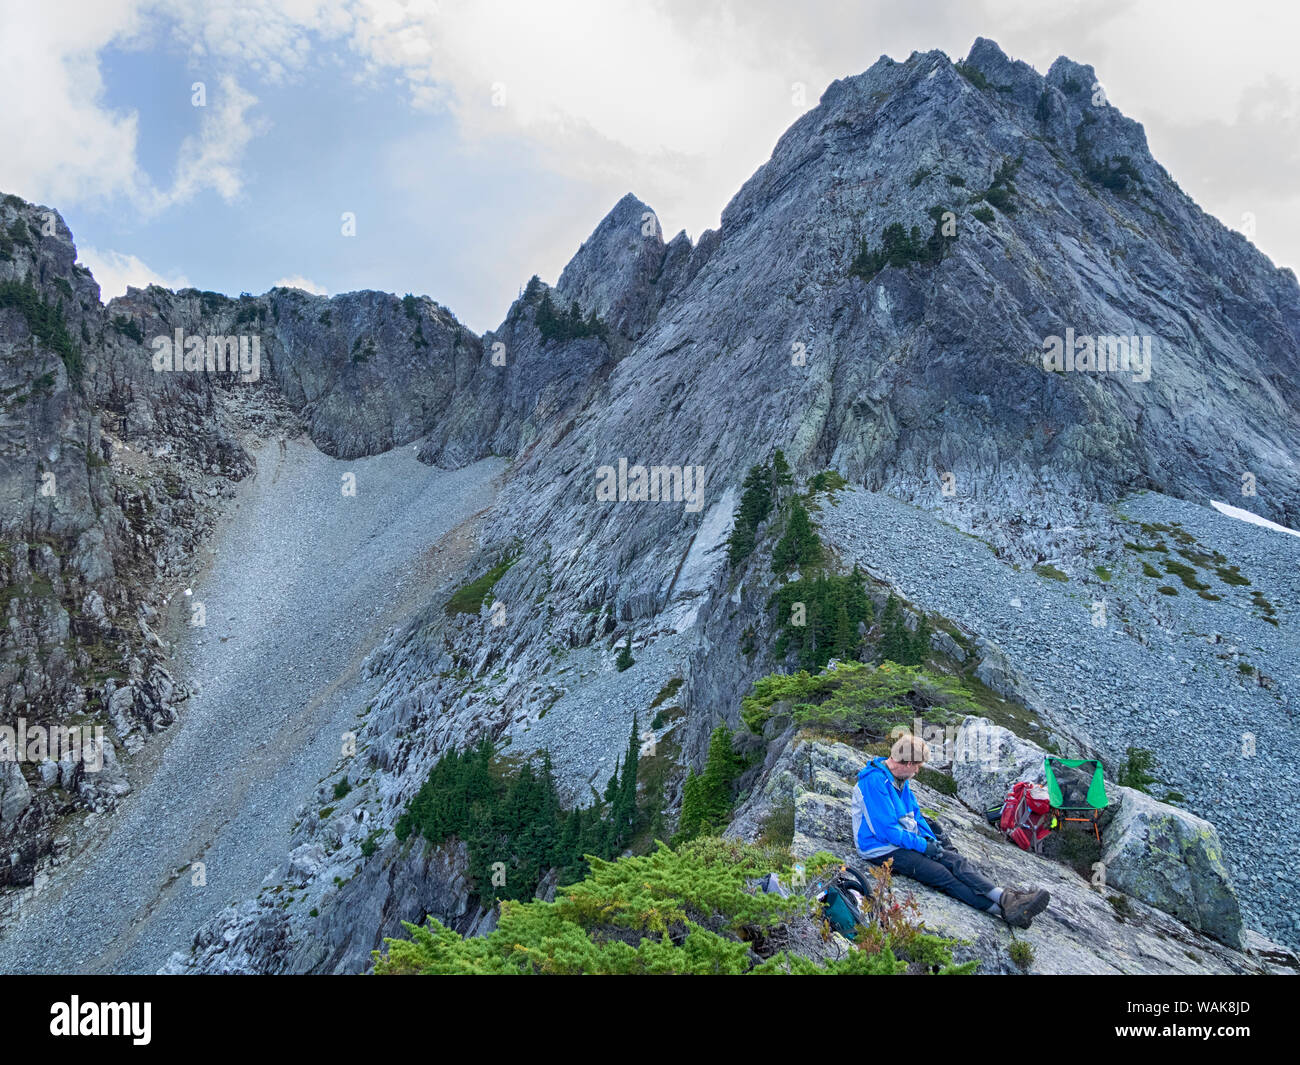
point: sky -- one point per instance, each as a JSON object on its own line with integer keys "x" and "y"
{"x": 221, "y": 143}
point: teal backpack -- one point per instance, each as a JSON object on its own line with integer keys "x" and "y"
{"x": 838, "y": 907}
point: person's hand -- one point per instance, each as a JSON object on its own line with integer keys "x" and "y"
{"x": 933, "y": 850}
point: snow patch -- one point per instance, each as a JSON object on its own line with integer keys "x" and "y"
{"x": 1246, "y": 515}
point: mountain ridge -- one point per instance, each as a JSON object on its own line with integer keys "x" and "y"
{"x": 1062, "y": 221}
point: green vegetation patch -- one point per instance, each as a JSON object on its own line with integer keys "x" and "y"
{"x": 666, "y": 692}
{"x": 470, "y": 598}
{"x": 1022, "y": 954}
{"x": 762, "y": 484}
{"x": 1185, "y": 573}
{"x": 1002, "y": 189}
{"x": 1135, "y": 770}
{"x": 45, "y": 321}
{"x": 707, "y": 799}
{"x": 688, "y": 910}
{"x": 564, "y": 325}
{"x": 858, "y": 700}
{"x": 509, "y": 813}
{"x": 818, "y": 617}
{"x": 1231, "y": 575}
{"x": 800, "y": 546}
{"x": 902, "y": 247}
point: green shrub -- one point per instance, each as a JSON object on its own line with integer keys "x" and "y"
{"x": 1022, "y": 954}
{"x": 778, "y": 828}
{"x": 688, "y": 910}
{"x": 859, "y": 700}
{"x": 826, "y": 481}
{"x": 342, "y": 788}
{"x": 940, "y": 782}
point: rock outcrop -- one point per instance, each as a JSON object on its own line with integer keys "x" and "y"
{"x": 1167, "y": 857}
{"x": 1086, "y": 929}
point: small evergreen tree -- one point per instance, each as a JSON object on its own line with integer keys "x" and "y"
{"x": 755, "y": 506}
{"x": 800, "y": 546}
{"x": 707, "y": 798}
{"x": 625, "y": 659}
{"x": 781, "y": 475}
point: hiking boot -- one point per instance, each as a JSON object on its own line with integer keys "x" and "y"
{"x": 1019, "y": 908}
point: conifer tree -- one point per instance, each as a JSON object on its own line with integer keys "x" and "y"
{"x": 781, "y": 475}
{"x": 920, "y": 642}
{"x": 625, "y": 659}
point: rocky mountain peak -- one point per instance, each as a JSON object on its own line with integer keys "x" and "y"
{"x": 615, "y": 270}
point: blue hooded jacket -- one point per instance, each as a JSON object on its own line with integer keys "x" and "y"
{"x": 886, "y": 818}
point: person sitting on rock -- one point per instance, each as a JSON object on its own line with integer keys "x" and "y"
{"x": 888, "y": 825}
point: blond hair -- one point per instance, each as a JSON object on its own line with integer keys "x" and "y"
{"x": 909, "y": 748}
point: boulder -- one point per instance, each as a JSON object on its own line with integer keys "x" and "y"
{"x": 988, "y": 759}
{"x": 996, "y": 672}
{"x": 1173, "y": 860}
{"x": 15, "y": 795}
{"x": 305, "y": 863}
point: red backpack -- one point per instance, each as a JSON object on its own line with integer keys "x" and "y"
{"x": 1026, "y": 815}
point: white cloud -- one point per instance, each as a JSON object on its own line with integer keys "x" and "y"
{"x": 115, "y": 271}
{"x": 304, "y": 283}
{"x": 61, "y": 145}
{"x": 65, "y": 146}
{"x": 212, "y": 158}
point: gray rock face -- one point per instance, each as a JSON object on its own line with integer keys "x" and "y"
{"x": 988, "y": 759}
{"x": 618, "y": 270}
{"x": 15, "y": 795}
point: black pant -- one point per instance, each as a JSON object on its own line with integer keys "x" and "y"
{"x": 950, "y": 873}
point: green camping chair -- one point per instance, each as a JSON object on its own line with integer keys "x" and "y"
{"x": 1075, "y": 787}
